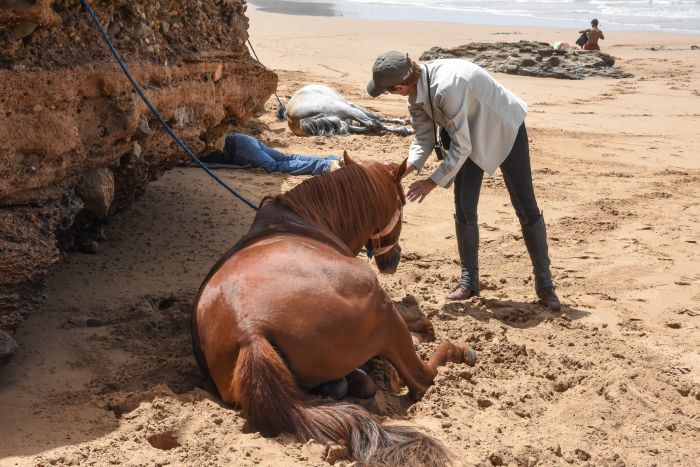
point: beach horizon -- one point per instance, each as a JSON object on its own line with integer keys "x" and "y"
{"x": 561, "y": 15}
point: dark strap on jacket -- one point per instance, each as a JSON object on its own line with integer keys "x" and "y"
{"x": 438, "y": 143}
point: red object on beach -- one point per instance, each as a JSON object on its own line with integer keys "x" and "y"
{"x": 588, "y": 46}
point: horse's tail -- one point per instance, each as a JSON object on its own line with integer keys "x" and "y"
{"x": 281, "y": 112}
{"x": 272, "y": 402}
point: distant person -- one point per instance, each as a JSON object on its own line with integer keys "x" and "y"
{"x": 594, "y": 35}
{"x": 486, "y": 126}
{"x": 246, "y": 151}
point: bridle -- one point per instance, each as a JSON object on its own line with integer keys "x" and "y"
{"x": 371, "y": 251}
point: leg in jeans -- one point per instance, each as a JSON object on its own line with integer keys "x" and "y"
{"x": 297, "y": 164}
{"x": 245, "y": 150}
{"x": 517, "y": 175}
{"x": 467, "y": 188}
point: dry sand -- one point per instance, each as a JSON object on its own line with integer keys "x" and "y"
{"x": 105, "y": 374}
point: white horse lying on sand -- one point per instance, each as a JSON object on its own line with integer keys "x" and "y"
{"x": 317, "y": 110}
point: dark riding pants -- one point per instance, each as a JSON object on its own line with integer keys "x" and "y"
{"x": 517, "y": 176}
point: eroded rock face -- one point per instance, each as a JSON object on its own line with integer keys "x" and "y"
{"x": 76, "y": 142}
{"x": 530, "y": 58}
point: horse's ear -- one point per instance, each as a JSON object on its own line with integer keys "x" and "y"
{"x": 400, "y": 171}
{"x": 347, "y": 160}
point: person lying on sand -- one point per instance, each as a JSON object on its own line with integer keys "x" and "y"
{"x": 246, "y": 151}
{"x": 485, "y": 123}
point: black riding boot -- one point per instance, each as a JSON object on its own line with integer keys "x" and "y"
{"x": 468, "y": 246}
{"x": 535, "y": 236}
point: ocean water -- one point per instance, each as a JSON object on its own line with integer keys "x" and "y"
{"x": 660, "y": 15}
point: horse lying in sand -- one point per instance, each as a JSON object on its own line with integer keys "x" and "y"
{"x": 317, "y": 110}
{"x": 290, "y": 307}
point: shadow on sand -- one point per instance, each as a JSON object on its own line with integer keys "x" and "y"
{"x": 512, "y": 313}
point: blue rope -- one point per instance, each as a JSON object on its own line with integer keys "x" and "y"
{"x": 155, "y": 112}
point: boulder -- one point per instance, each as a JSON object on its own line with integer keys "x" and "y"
{"x": 96, "y": 189}
{"x": 530, "y": 58}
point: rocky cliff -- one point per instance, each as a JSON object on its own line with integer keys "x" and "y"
{"x": 77, "y": 143}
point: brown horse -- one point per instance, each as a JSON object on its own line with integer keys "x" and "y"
{"x": 290, "y": 307}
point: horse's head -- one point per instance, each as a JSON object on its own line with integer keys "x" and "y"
{"x": 362, "y": 204}
{"x": 383, "y": 245}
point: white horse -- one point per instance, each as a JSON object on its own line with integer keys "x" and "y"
{"x": 317, "y": 110}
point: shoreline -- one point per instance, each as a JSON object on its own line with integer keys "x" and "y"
{"x": 406, "y": 13}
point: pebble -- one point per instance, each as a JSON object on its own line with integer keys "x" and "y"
{"x": 315, "y": 450}
{"x": 337, "y": 453}
{"x": 496, "y": 459}
{"x": 582, "y": 455}
{"x": 484, "y": 403}
{"x": 94, "y": 322}
{"x": 114, "y": 29}
{"x": 23, "y": 29}
{"x": 560, "y": 385}
{"x": 142, "y": 30}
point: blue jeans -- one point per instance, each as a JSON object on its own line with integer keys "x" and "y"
{"x": 240, "y": 149}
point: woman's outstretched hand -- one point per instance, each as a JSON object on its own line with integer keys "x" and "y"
{"x": 418, "y": 190}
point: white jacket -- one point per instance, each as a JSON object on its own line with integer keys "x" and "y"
{"x": 481, "y": 116}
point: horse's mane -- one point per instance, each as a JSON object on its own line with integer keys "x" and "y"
{"x": 350, "y": 202}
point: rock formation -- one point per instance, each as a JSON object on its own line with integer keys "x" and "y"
{"x": 77, "y": 144}
{"x": 529, "y": 58}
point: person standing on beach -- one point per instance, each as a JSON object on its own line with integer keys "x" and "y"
{"x": 594, "y": 35}
{"x": 485, "y": 123}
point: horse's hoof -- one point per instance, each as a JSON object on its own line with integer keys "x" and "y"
{"x": 470, "y": 356}
{"x": 336, "y": 389}
{"x": 361, "y": 385}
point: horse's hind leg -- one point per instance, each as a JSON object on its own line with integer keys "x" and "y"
{"x": 373, "y": 125}
{"x": 376, "y": 116}
{"x": 419, "y": 325}
{"x": 400, "y": 130}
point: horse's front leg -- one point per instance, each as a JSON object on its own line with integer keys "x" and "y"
{"x": 399, "y": 350}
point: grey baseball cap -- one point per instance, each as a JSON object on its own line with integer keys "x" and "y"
{"x": 390, "y": 68}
